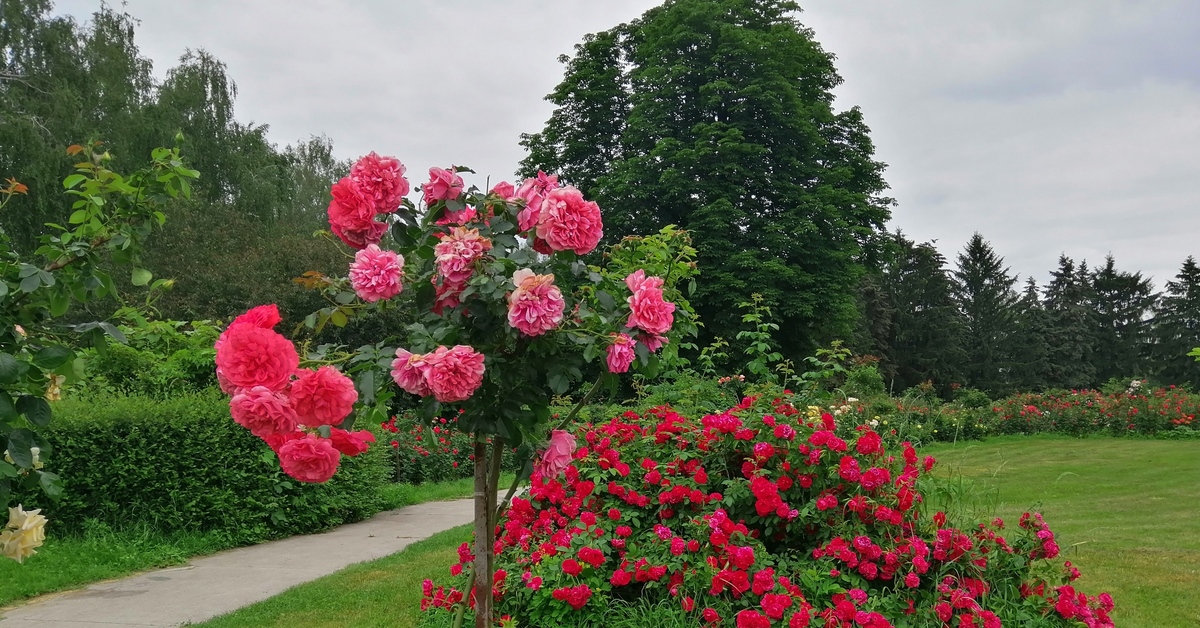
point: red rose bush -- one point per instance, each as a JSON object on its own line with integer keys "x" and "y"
{"x": 759, "y": 517}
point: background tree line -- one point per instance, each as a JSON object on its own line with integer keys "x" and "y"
{"x": 714, "y": 115}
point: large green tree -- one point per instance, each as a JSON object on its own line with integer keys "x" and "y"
{"x": 717, "y": 115}
{"x": 983, "y": 290}
{"x": 1123, "y": 302}
{"x": 1177, "y": 328}
{"x": 1029, "y": 347}
{"x": 1071, "y": 334}
{"x": 927, "y": 328}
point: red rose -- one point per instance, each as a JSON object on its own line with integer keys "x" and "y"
{"x": 309, "y": 459}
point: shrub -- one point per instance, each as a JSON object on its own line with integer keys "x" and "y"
{"x": 761, "y": 517}
{"x": 182, "y": 464}
{"x": 864, "y": 381}
{"x": 1081, "y": 412}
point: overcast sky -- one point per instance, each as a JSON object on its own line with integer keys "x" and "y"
{"x": 1069, "y": 126}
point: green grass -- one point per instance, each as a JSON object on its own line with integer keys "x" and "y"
{"x": 384, "y": 592}
{"x": 1125, "y": 511}
{"x": 67, "y": 561}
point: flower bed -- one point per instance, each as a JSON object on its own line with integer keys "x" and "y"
{"x": 1080, "y": 412}
{"x": 761, "y": 516}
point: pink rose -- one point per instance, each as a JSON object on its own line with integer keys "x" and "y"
{"x": 252, "y": 356}
{"x": 225, "y": 385}
{"x": 352, "y": 215}
{"x": 443, "y": 185}
{"x": 262, "y": 411}
{"x": 322, "y": 397}
{"x": 620, "y": 353}
{"x": 567, "y": 222}
{"x": 351, "y": 443}
{"x": 408, "y": 371}
{"x": 537, "y": 305}
{"x": 277, "y": 440}
{"x": 454, "y": 374}
{"x": 557, "y": 456}
{"x": 652, "y": 342}
{"x": 467, "y": 214}
{"x": 648, "y": 310}
{"x": 359, "y": 234}
{"x": 533, "y": 191}
{"x": 504, "y": 190}
{"x": 457, "y": 251}
{"x": 446, "y": 295}
{"x": 376, "y": 274}
{"x": 309, "y": 459}
{"x": 380, "y": 179}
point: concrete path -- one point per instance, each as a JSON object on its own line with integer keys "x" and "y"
{"x": 229, "y": 580}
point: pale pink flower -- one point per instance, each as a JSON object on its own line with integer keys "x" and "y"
{"x": 648, "y": 310}
{"x": 620, "y": 353}
{"x": 380, "y": 179}
{"x": 457, "y": 251}
{"x": 533, "y": 191}
{"x": 376, "y": 274}
{"x": 262, "y": 411}
{"x": 567, "y": 222}
{"x": 443, "y": 185}
{"x": 557, "y": 456}
{"x": 408, "y": 371}
{"x": 454, "y": 374}
{"x": 322, "y": 397}
{"x": 537, "y": 305}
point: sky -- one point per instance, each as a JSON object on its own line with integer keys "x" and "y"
{"x": 1049, "y": 127}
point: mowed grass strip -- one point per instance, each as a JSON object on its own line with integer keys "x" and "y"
{"x": 383, "y": 592}
{"x": 1125, "y": 511}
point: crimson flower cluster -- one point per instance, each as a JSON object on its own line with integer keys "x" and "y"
{"x": 760, "y": 517}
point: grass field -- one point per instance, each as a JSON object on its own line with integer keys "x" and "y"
{"x": 1126, "y": 511}
{"x": 67, "y": 562}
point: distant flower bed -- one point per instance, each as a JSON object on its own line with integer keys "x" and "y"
{"x": 1140, "y": 410}
{"x": 761, "y": 516}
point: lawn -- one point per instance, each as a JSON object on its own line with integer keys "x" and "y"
{"x": 67, "y": 562}
{"x": 1125, "y": 511}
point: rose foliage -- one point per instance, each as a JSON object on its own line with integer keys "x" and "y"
{"x": 757, "y": 517}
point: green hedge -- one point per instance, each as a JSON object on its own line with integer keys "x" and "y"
{"x": 183, "y": 464}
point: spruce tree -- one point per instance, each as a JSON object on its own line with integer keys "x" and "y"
{"x": 983, "y": 290}
{"x": 1030, "y": 349}
{"x": 717, "y": 116}
{"x": 1071, "y": 335}
{"x": 1122, "y": 304}
{"x": 927, "y": 332}
{"x": 1176, "y": 328}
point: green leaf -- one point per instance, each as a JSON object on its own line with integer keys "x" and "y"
{"x": 36, "y": 409}
{"x": 51, "y": 484}
{"x": 10, "y": 368}
{"x": 141, "y": 277}
{"x": 19, "y": 442}
{"x": 59, "y": 302}
{"x": 73, "y": 181}
{"x": 338, "y": 318}
{"x": 78, "y": 216}
{"x": 8, "y": 411}
{"x": 31, "y": 283}
{"x": 53, "y": 356}
{"x": 7, "y": 470}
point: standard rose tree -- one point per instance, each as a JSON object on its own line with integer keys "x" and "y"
{"x": 508, "y": 315}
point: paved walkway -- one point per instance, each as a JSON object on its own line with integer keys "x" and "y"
{"x": 229, "y": 580}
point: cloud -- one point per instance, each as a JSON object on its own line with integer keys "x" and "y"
{"x": 1071, "y": 126}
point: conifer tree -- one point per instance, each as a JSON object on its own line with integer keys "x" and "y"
{"x": 1122, "y": 302}
{"x": 1029, "y": 349}
{"x": 1071, "y": 334}
{"x": 1176, "y": 328}
{"x": 983, "y": 290}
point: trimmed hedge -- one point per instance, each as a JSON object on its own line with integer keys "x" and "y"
{"x": 183, "y": 464}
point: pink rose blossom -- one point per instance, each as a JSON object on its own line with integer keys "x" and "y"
{"x": 652, "y": 342}
{"x": 467, "y": 214}
{"x": 457, "y": 251}
{"x": 504, "y": 190}
{"x": 454, "y": 374}
{"x": 264, "y": 316}
{"x": 376, "y": 274}
{"x": 537, "y": 305}
{"x": 567, "y": 222}
{"x": 620, "y": 353}
{"x": 352, "y": 216}
{"x": 351, "y": 443}
{"x": 408, "y": 371}
{"x": 446, "y": 295}
{"x": 252, "y": 356}
{"x": 380, "y": 179}
{"x": 443, "y": 185}
{"x": 648, "y": 310}
{"x": 322, "y": 397}
{"x": 533, "y": 191}
{"x": 557, "y": 456}
{"x": 262, "y": 411}
{"x": 309, "y": 459}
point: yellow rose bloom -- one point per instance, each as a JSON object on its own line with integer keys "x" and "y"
{"x": 24, "y": 533}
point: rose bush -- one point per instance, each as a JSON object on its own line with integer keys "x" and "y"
{"x": 761, "y": 516}
{"x": 509, "y": 316}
